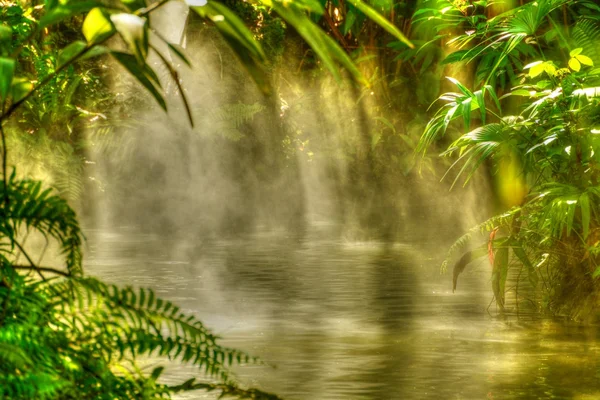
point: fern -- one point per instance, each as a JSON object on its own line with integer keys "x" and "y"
{"x": 586, "y": 34}
{"x": 60, "y": 338}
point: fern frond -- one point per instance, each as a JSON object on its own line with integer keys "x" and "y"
{"x": 39, "y": 209}
{"x": 501, "y": 220}
{"x": 586, "y": 34}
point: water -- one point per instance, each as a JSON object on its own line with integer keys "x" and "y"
{"x": 354, "y": 320}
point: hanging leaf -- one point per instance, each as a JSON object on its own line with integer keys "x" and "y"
{"x": 231, "y": 27}
{"x": 178, "y": 50}
{"x": 134, "y": 31}
{"x": 134, "y": 5}
{"x": 143, "y": 74}
{"x": 239, "y": 38}
{"x": 96, "y": 26}
{"x": 64, "y": 11}
{"x": 71, "y": 51}
{"x": 381, "y": 21}
{"x": 175, "y": 77}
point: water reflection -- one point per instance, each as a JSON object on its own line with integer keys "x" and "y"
{"x": 344, "y": 320}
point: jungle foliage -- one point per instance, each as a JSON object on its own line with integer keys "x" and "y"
{"x": 530, "y": 113}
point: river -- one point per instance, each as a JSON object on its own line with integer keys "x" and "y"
{"x": 339, "y": 319}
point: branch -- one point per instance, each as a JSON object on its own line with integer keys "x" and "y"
{"x": 42, "y": 269}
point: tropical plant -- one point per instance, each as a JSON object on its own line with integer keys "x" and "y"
{"x": 542, "y": 148}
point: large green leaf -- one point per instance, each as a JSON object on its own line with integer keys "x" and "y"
{"x": 324, "y": 46}
{"x": 231, "y": 26}
{"x": 7, "y": 70}
{"x": 239, "y": 38}
{"x": 20, "y": 88}
{"x": 71, "y": 51}
{"x": 381, "y": 21}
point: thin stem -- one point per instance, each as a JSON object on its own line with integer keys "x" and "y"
{"x": 4, "y": 175}
{"x": 41, "y": 269}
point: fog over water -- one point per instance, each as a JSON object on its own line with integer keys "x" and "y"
{"x": 273, "y": 223}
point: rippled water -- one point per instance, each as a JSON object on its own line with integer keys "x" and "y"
{"x": 354, "y": 320}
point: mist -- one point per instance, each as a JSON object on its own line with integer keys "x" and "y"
{"x": 314, "y": 153}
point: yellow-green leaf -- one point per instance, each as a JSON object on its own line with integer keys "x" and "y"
{"x": 585, "y": 60}
{"x": 536, "y": 70}
{"x": 576, "y": 52}
{"x": 574, "y": 64}
{"x": 96, "y": 26}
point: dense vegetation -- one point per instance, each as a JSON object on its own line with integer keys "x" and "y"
{"x": 524, "y": 110}
{"x": 533, "y": 100}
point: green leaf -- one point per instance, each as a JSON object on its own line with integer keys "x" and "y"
{"x": 381, "y": 21}
{"x": 179, "y": 52}
{"x": 5, "y": 34}
{"x": 95, "y": 51}
{"x": 20, "y": 88}
{"x": 96, "y": 26}
{"x": 71, "y": 51}
{"x": 240, "y": 39}
{"x": 522, "y": 256}
{"x": 231, "y": 26}
{"x": 520, "y": 92}
{"x": 134, "y": 5}
{"x": 64, "y": 11}
{"x": 576, "y": 51}
{"x": 7, "y": 70}
{"x": 143, "y": 74}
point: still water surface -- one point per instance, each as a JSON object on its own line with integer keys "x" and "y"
{"x": 354, "y": 320}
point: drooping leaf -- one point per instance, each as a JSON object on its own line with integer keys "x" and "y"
{"x": 134, "y": 31}
{"x": 71, "y": 51}
{"x": 381, "y": 21}
{"x": 179, "y": 52}
{"x": 143, "y": 74}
